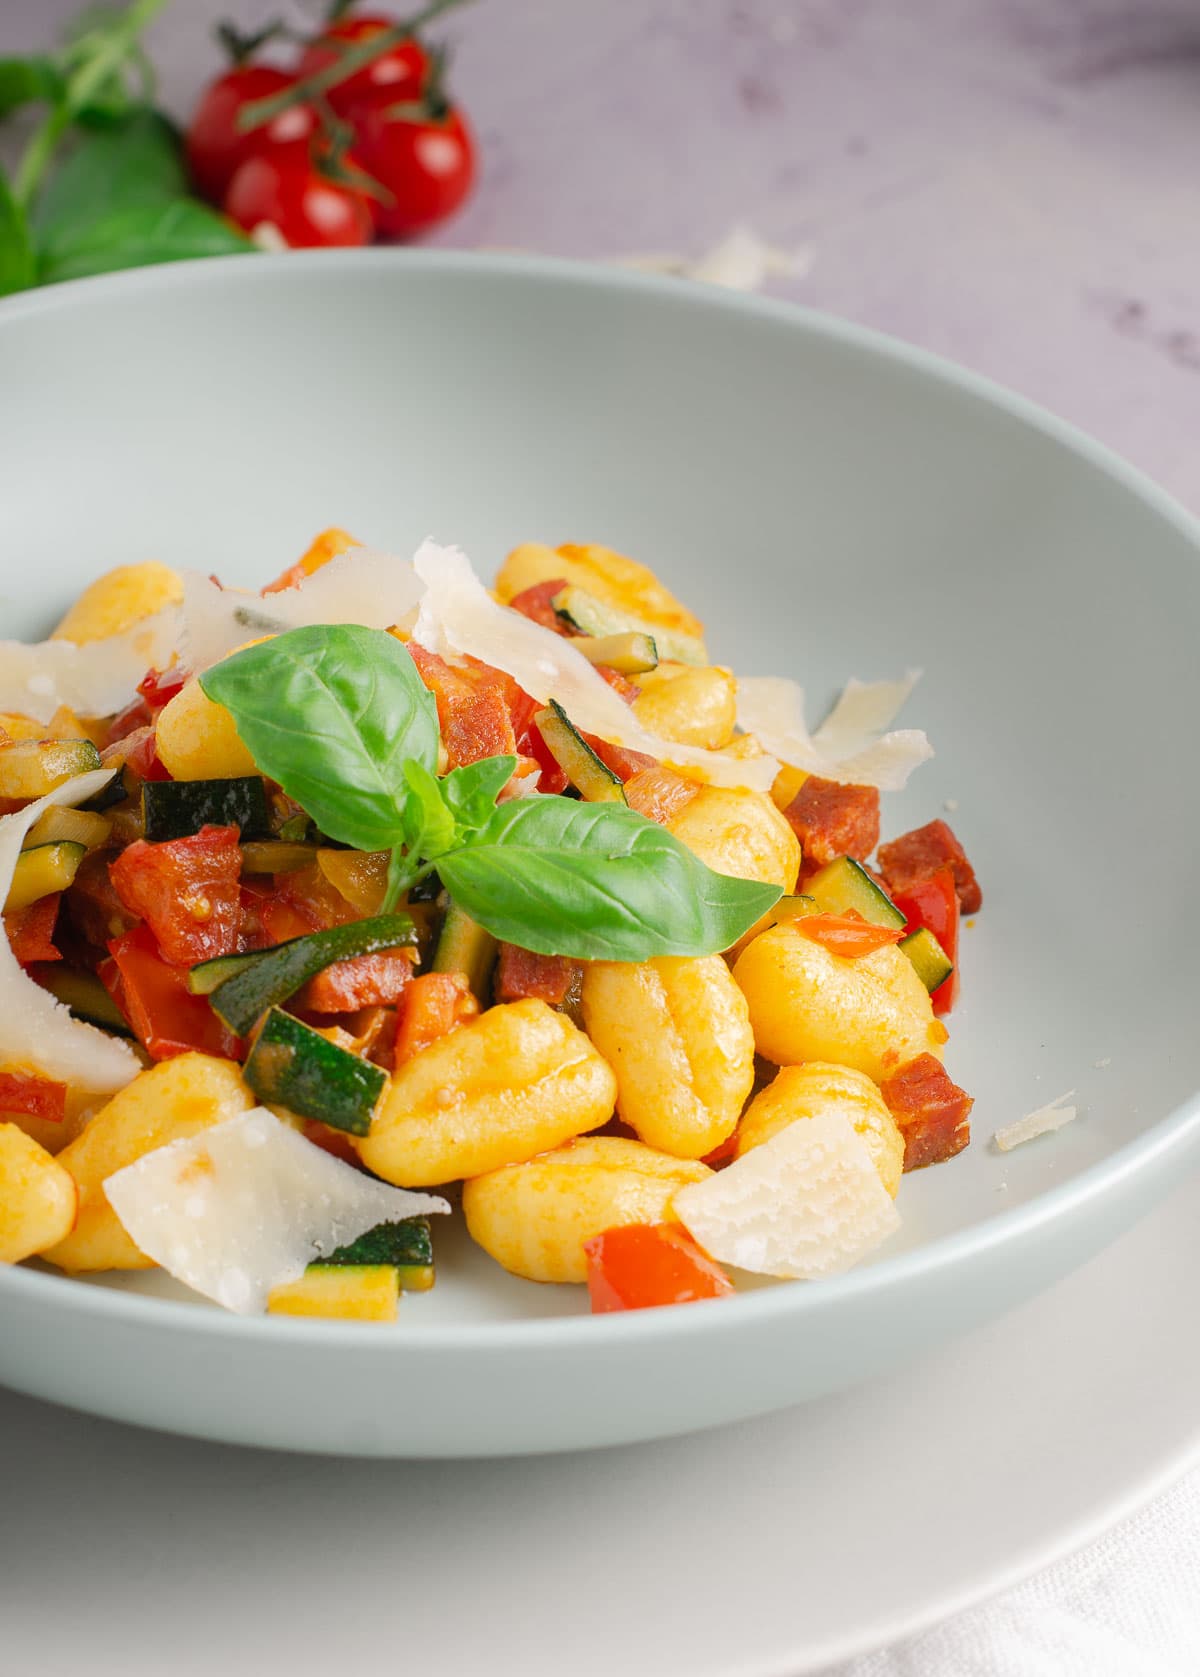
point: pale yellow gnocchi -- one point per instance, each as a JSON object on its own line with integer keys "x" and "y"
{"x": 807, "y": 1091}
{"x": 609, "y": 576}
{"x": 688, "y": 704}
{"x": 119, "y": 599}
{"x": 37, "y": 1197}
{"x": 735, "y": 830}
{"x": 196, "y": 738}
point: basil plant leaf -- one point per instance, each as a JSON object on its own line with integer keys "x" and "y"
{"x": 333, "y": 713}
{"x": 135, "y": 165}
{"x": 597, "y": 882}
{"x": 141, "y": 236}
{"x": 28, "y": 81}
{"x": 429, "y": 827}
{"x": 470, "y": 793}
{"x": 18, "y": 268}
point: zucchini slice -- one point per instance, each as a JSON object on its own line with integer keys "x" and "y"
{"x": 31, "y": 768}
{"x": 465, "y": 947}
{"x": 631, "y": 653}
{"x": 276, "y": 856}
{"x": 173, "y": 809}
{"x": 844, "y": 884}
{"x": 47, "y": 868}
{"x": 931, "y": 961}
{"x": 84, "y": 994}
{"x": 119, "y": 788}
{"x": 595, "y": 781}
{"x": 794, "y": 908}
{"x": 78, "y": 826}
{"x": 583, "y": 611}
{"x": 294, "y": 1066}
{"x": 242, "y": 987}
{"x": 406, "y": 1245}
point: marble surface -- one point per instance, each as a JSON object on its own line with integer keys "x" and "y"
{"x": 1008, "y": 182}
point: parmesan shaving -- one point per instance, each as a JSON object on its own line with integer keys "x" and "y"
{"x": 360, "y": 586}
{"x": 247, "y": 1204}
{"x": 1044, "y": 1121}
{"x": 36, "y": 1030}
{"x": 806, "y": 1204}
{"x": 458, "y": 615}
{"x": 92, "y": 680}
{"x": 850, "y": 744}
{"x": 741, "y": 261}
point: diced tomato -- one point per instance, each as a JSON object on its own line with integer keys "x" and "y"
{"x": 362, "y": 981}
{"x": 847, "y": 935}
{"x": 153, "y": 995}
{"x": 93, "y": 906}
{"x": 159, "y": 687}
{"x": 35, "y": 1096}
{"x": 659, "y": 793}
{"x": 620, "y": 759}
{"x": 548, "y": 978}
{"x": 136, "y": 716}
{"x": 299, "y": 903}
{"x": 186, "y": 890}
{"x": 144, "y": 761}
{"x": 534, "y": 603}
{"x": 31, "y": 929}
{"x": 629, "y": 690}
{"x": 645, "y": 1264}
{"x": 919, "y": 855}
{"x": 430, "y": 1007}
{"x": 933, "y": 903}
{"x": 831, "y": 819}
{"x": 473, "y": 712}
{"x": 932, "y": 1112}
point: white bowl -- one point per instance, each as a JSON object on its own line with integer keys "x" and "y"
{"x": 833, "y": 504}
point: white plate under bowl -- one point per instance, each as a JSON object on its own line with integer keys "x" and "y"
{"x": 833, "y": 504}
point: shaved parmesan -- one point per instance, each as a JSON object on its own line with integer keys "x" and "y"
{"x": 850, "y": 744}
{"x": 359, "y": 586}
{"x": 807, "y": 1203}
{"x": 458, "y": 615}
{"x": 741, "y": 261}
{"x": 243, "y": 1206}
{"x": 36, "y": 1030}
{"x": 1043, "y": 1121}
{"x": 93, "y": 680}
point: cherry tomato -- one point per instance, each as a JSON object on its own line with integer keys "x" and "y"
{"x": 215, "y": 147}
{"x": 399, "y": 73}
{"x": 427, "y": 166}
{"x": 287, "y": 191}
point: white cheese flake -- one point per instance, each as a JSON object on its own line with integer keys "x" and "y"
{"x": 850, "y": 745}
{"x": 93, "y": 680}
{"x": 246, "y": 1205}
{"x": 1044, "y": 1121}
{"x": 458, "y": 615}
{"x": 806, "y": 1204}
{"x": 740, "y": 261}
{"x": 36, "y": 1030}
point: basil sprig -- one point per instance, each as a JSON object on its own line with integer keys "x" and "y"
{"x": 339, "y": 716}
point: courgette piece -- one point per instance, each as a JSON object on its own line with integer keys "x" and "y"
{"x": 31, "y": 768}
{"x": 593, "y": 779}
{"x": 933, "y": 965}
{"x": 47, "y": 868}
{"x": 349, "y": 1293}
{"x": 592, "y": 616}
{"x": 465, "y": 947}
{"x": 630, "y": 653}
{"x": 843, "y": 884}
{"x": 406, "y": 1245}
{"x": 294, "y": 1066}
{"x": 78, "y": 826}
{"x": 276, "y": 856}
{"x": 794, "y": 908}
{"x": 242, "y": 987}
{"x": 173, "y": 809}
{"x": 297, "y": 829}
{"x": 84, "y": 994}
{"x": 119, "y": 789}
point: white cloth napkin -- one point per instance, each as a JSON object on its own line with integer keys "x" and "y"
{"x": 1126, "y": 1606}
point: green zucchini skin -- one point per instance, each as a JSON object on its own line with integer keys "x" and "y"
{"x": 173, "y": 809}
{"x": 592, "y": 778}
{"x": 843, "y": 884}
{"x": 463, "y": 946}
{"x": 405, "y": 1242}
{"x": 595, "y": 617}
{"x": 933, "y": 965}
{"x": 84, "y": 994}
{"x": 294, "y": 1066}
{"x": 242, "y": 987}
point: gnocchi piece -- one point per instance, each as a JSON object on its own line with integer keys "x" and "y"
{"x": 740, "y": 832}
{"x": 515, "y": 1081}
{"x": 37, "y": 1197}
{"x": 690, "y": 704}
{"x": 870, "y": 1013}
{"x": 196, "y": 738}
{"x": 676, "y": 1032}
{"x": 610, "y": 576}
{"x": 534, "y": 1218}
{"x": 119, "y": 599}
{"x": 170, "y": 1102}
{"x": 800, "y": 1092}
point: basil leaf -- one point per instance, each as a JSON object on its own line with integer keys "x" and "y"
{"x": 142, "y": 236}
{"x": 136, "y": 164}
{"x": 470, "y": 793}
{"x": 597, "y": 882}
{"x": 27, "y": 81}
{"x": 18, "y": 268}
{"x": 332, "y": 714}
{"x": 429, "y": 827}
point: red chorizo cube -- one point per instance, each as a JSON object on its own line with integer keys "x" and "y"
{"x": 931, "y": 1111}
{"x": 548, "y": 978}
{"x": 918, "y": 855}
{"x": 831, "y": 819}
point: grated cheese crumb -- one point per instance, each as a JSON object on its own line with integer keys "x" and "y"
{"x": 1043, "y": 1121}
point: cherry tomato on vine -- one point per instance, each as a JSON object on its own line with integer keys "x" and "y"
{"x": 427, "y": 166}
{"x": 400, "y": 72}
{"x": 216, "y": 148}
{"x": 287, "y": 190}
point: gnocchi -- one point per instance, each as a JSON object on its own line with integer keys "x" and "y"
{"x": 806, "y": 1091}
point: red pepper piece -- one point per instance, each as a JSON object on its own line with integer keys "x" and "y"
{"x": 35, "y": 1096}
{"x": 933, "y": 903}
{"x": 153, "y": 995}
{"x": 642, "y": 1265}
